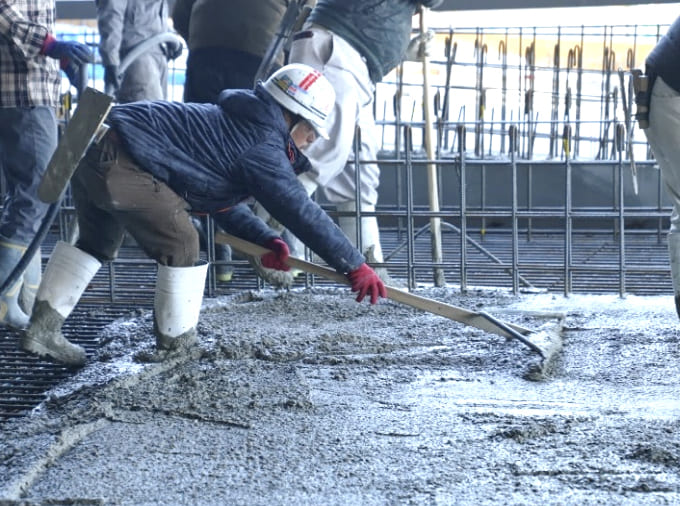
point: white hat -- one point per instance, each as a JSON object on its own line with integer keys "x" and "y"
{"x": 305, "y": 91}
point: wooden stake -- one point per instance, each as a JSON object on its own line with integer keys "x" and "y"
{"x": 432, "y": 183}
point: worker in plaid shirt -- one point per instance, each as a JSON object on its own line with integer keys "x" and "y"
{"x": 30, "y": 59}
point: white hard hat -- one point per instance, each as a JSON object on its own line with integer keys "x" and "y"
{"x": 305, "y": 91}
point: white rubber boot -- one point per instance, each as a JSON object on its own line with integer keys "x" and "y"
{"x": 67, "y": 274}
{"x": 177, "y": 305}
{"x": 29, "y": 288}
{"x": 674, "y": 255}
{"x": 11, "y": 313}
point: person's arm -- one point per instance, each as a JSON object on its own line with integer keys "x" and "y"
{"x": 181, "y": 16}
{"x": 240, "y": 221}
{"x": 25, "y": 36}
{"x": 110, "y": 20}
{"x": 31, "y": 40}
{"x": 269, "y": 177}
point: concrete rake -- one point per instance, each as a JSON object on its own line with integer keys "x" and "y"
{"x": 545, "y": 342}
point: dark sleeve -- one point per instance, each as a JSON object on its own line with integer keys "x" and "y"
{"x": 181, "y": 14}
{"x": 271, "y": 180}
{"x": 242, "y": 222}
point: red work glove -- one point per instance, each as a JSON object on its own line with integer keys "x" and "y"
{"x": 276, "y": 258}
{"x": 364, "y": 280}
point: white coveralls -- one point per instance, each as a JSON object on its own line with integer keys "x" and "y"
{"x": 663, "y": 136}
{"x": 347, "y": 71}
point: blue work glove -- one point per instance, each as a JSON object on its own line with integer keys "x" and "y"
{"x": 365, "y": 281}
{"x": 66, "y": 50}
{"x": 276, "y": 258}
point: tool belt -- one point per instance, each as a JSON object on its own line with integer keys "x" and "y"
{"x": 642, "y": 86}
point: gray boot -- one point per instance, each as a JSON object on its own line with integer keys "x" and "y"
{"x": 10, "y": 311}
{"x": 177, "y": 305}
{"x": 67, "y": 274}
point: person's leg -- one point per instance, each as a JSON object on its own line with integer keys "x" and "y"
{"x": 67, "y": 274}
{"x": 71, "y": 268}
{"x": 164, "y": 230}
{"x": 213, "y": 69}
{"x": 145, "y": 78}
{"x": 31, "y": 282}
{"x": 11, "y": 313}
{"x": 663, "y": 135}
{"x": 157, "y": 218}
{"x": 28, "y": 137}
{"x": 341, "y": 190}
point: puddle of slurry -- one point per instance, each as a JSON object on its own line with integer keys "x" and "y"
{"x": 307, "y": 397}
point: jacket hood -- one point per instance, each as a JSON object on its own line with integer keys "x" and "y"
{"x": 260, "y": 108}
{"x": 253, "y": 105}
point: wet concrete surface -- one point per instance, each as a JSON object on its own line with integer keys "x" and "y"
{"x": 307, "y": 397}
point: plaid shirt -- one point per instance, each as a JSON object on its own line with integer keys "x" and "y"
{"x": 27, "y": 78}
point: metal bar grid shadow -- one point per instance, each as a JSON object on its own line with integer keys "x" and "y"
{"x": 126, "y": 288}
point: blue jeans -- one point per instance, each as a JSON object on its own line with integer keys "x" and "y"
{"x": 28, "y": 137}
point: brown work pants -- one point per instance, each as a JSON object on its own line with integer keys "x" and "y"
{"x": 113, "y": 195}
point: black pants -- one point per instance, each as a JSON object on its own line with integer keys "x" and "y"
{"x": 213, "y": 69}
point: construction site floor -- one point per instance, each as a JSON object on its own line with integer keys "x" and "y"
{"x": 306, "y": 397}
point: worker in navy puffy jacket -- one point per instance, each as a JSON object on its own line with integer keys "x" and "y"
{"x": 161, "y": 161}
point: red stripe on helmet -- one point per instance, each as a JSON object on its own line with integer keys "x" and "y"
{"x": 309, "y": 80}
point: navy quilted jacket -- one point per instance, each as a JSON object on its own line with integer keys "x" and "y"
{"x": 217, "y": 156}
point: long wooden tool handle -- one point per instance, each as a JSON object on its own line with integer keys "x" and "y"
{"x": 455, "y": 313}
{"x": 432, "y": 182}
